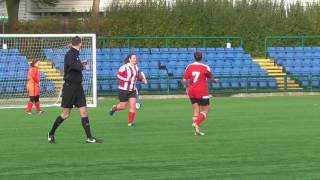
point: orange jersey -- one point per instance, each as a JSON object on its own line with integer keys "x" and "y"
{"x": 33, "y": 82}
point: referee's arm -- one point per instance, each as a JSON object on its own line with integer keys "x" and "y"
{"x": 74, "y": 64}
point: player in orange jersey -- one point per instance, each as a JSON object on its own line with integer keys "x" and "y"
{"x": 33, "y": 86}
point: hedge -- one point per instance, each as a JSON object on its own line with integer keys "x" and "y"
{"x": 251, "y": 20}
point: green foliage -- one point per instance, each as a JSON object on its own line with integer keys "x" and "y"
{"x": 252, "y": 20}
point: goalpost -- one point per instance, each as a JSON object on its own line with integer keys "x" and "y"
{"x": 18, "y": 50}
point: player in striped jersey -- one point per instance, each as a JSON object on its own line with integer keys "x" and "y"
{"x": 128, "y": 75}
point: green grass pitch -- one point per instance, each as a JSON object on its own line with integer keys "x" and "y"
{"x": 246, "y": 138}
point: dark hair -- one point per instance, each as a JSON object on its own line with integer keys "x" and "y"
{"x": 198, "y": 56}
{"x": 76, "y": 41}
{"x": 33, "y": 62}
{"x": 126, "y": 60}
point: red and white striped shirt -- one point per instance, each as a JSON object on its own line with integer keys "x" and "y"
{"x": 128, "y": 75}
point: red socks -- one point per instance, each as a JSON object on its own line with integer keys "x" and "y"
{"x": 38, "y": 106}
{"x": 202, "y": 116}
{"x": 29, "y": 106}
{"x": 131, "y": 117}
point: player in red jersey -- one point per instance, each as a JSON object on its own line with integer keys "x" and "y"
{"x": 128, "y": 75}
{"x": 195, "y": 81}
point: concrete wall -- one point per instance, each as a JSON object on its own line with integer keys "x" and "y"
{"x": 65, "y": 6}
{"x": 30, "y": 11}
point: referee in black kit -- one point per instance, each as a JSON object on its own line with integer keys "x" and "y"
{"x": 72, "y": 92}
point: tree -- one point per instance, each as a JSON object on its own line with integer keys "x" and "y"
{"x": 95, "y": 7}
{"x": 13, "y": 10}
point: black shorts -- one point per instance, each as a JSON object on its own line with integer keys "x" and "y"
{"x": 125, "y": 95}
{"x": 34, "y": 98}
{"x": 201, "y": 102}
{"x": 73, "y": 96}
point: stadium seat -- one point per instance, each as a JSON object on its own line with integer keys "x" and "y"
{"x": 225, "y": 84}
{"x": 223, "y": 61}
{"x": 164, "y": 84}
{"x": 174, "y": 85}
{"x": 253, "y": 83}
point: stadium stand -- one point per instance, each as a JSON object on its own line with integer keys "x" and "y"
{"x": 165, "y": 67}
{"x": 55, "y": 57}
{"x": 165, "y": 63}
{"x": 14, "y": 68}
{"x": 302, "y": 63}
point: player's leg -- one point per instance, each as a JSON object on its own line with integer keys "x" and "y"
{"x": 30, "y": 104}
{"x": 80, "y": 102}
{"x": 203, "y": 114}
{"x": 205, "y": 108}
{"x": 124, "y": 98}
{"x": 86, "y": 125}
{"x": 85, "y": 121}
{"x": 119, "y": 107}
{"x": 59, "y": 120}
{"x": 132, "y": 111}
{"x": 37, "y": 104}
{"x": 196, "y": 112}
{"x": 68, "y": 98}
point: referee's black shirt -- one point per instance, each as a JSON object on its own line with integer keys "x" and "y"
{"x": 72, "y": 67}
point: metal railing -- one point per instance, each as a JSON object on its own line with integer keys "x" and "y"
{"x": 250, "y": 84}
{"x": 167, "y": 42}
{"x": 291, "y": 41}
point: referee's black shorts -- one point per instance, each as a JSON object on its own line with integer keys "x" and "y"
{"x": 124, "y": 96}
{"x": 73, "y": 96}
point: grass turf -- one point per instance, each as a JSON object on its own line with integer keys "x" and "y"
{"x": 247, "y": 138}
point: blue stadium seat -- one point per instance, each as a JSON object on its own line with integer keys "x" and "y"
{"x": 253, "y": 83}
{"x": 235, "y": 84}
{"x": 225, "y": 84}
{"x": 263, "y": 83}
{"x": 163, "y": 73}
{"x": 164, "y": 84}
{"x": 210, "y": 50}
{"x": 215, "y": 85}
{"x": 155, "y": 50}
{"x": 174, "y": 85}
{"x": 243, "y": 83}
{"x": 154, "y": 72}
{"x": 164, "y": 50}
{"x": 144, "y": 87}
{"x": 272, "y": 83}
{"x": 154, "y": 84}
{"x": 193, "y": 50}
{"x": 105, "y": 87}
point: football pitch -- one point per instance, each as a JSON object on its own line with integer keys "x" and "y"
{"x": 246, "y": 138}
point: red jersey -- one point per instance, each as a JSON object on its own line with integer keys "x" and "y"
{"x": 128, "y": 76}
{"x": 198, "y": 74}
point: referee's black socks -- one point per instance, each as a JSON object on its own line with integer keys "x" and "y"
{"x": 56, "y": 124}
{"x": 86, "y": 126}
